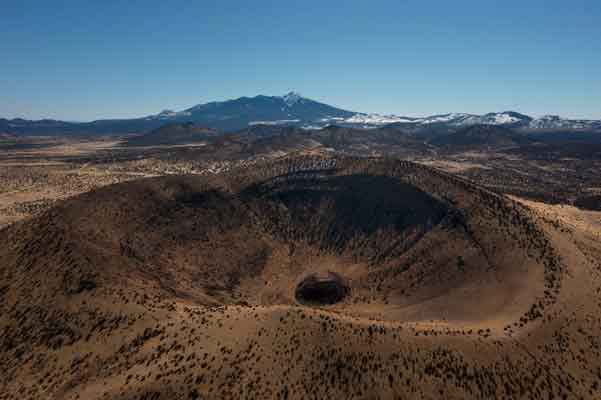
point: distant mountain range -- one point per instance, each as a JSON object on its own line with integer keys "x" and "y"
{"x": 291, "y": 109}
{"x": 510, "y": 119}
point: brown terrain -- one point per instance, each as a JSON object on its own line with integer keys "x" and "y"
{"x": 296, "y": 267}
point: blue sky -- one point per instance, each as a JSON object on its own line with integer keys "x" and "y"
{"x": 81, "y": 60}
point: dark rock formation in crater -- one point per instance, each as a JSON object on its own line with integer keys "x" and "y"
{"x": 318, "y": 289}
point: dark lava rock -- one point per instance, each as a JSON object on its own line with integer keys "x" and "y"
{"x": 324, "y": 289}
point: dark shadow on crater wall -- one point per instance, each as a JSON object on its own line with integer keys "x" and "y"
{"x": 323, "y": 209}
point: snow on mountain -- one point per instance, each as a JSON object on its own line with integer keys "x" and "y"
{"x": 547, "y": 121}
{"x": 377, "y": 119}
{"x": 556, "y": 122}
{"x": 292, "y": 98}
{"x": 454, "y": 119}
{"x": 330, "y": 119}
{"x": 500, "y": 119}
{"x": 170, "y": 114}
{"x": 277, "y": 122}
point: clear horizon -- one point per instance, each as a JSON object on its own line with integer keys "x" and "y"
{"x": 81, "y": 61}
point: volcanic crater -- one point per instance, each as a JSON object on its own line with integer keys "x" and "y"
{"x": 317, "y": 263}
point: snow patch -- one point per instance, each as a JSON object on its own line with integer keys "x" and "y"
{"x": 278, "y": 122}
{"x": 292, "y": 98}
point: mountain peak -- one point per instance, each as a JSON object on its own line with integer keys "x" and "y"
{"x": 291, "y": 98}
